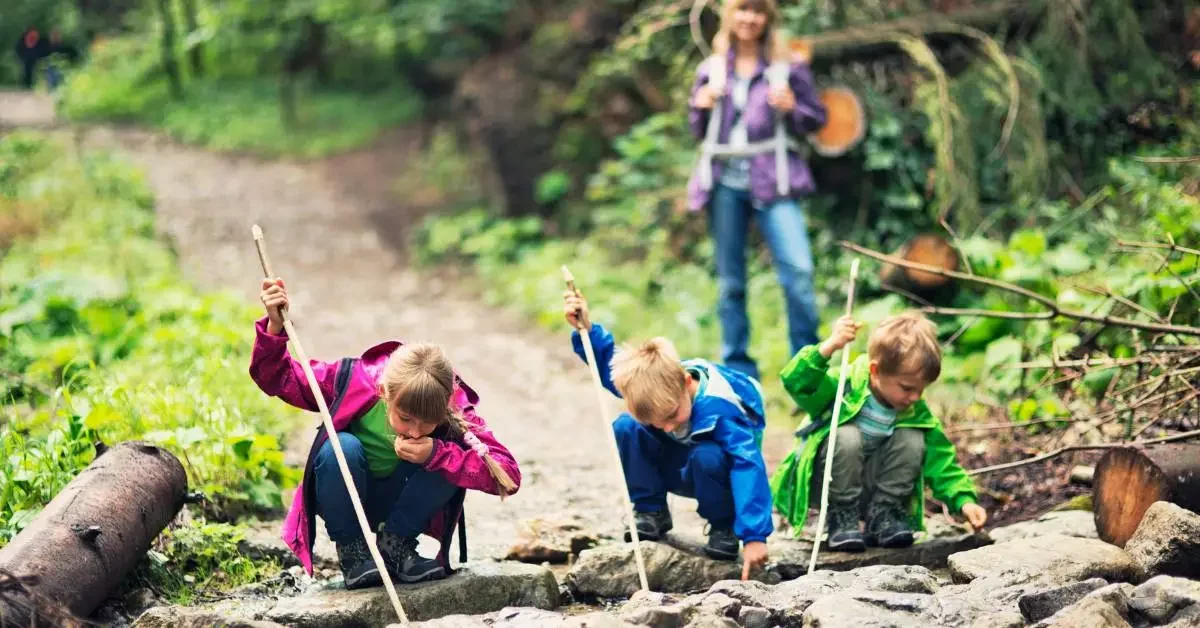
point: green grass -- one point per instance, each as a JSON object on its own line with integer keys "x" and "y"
{"x": 121, "y": 83}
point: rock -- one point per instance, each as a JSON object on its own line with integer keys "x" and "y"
{"x": 1167, "y": 541}
{"x": 789, "y": 557}
{"x": 1090, "y": 612}
{"x": 988, "y": 601}
{"x": 1162, "y": 599}
{"x": 476, "y": 588}
{"x": 711, "y": 621}
{"x": 551, "y": 540}
{"x": 226, "y": 615}
{"x": 1116, "y": 596}
{"x": 754, "y": 617}
{"x": 999, "y": 620}
{"x": 139, "y": 600}
{"x": 1066, "y": 523}
{"x": 262, "y": 540}
{"x": 656, "y": 617}
{"x": 521, "y": 618}
{"x": 1055, "y": 559}
{"x": 1039, "y": 605}
{"x": 610, "y": 570}
{"x": 868, "y": 610}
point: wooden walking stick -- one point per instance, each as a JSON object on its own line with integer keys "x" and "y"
{"x": 604, "y": 420}
{"x": 833, "y": 427}
{"x": 327, "y": 420}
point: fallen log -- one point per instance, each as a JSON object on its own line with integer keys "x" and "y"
{"x": 1129, "y": 479}
{"x": 81, "y": 546}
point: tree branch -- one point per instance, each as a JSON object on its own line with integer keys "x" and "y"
{"x": 1050, "y": 304}
{"x": 1158, "y": 245}
{"x": 1063, "y": 450}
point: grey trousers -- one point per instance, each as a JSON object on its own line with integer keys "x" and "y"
{"x": 859, "y": 476}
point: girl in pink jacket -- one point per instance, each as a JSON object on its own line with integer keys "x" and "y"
{"x": 412, "y": 440}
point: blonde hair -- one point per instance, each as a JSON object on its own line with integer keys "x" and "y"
{"x": 774, "y": 41}
{"x": 906, "y": 343}
{"x": 419, "y": 381}
{"x": 650, "y": 378}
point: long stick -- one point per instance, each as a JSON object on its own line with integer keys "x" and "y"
{"x": 302, "y": 358}
{"x": 833, "y": 427}
{"x": 604, "y": 421}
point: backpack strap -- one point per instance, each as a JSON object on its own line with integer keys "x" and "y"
{"x": 341, "y": 383}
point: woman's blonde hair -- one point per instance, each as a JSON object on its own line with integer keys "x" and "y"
{"x": 419, "y": 382}
{"x": 775, "y": 45}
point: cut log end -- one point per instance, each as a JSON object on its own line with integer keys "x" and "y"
{"x": 929, "y": 249}
{"x": 1128, "y": 480}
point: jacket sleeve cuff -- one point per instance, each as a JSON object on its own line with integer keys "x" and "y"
{"x": 433, "y": 454}
{"x": 963, "y": 500}
{"x": 260, "y": 326}
{"x": 755, "y": 539}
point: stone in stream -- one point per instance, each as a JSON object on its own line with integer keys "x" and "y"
{"x": 1055, "y": 559}
{"x": 522, "y": 618}
{"x": 1167, "y": 541}
{"x": 552, "y": 540}
{"x": 1166, "y": 600}
{"x": 678, "y": 565}
{"x": 1079, "y": 523}
{"x": 1039, "y": 605}
{"x": 476, "y": 588}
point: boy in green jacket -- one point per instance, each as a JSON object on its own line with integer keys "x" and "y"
{"x": 889, "y": 444}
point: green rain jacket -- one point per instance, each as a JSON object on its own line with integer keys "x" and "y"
{"x": 809, "y": 381}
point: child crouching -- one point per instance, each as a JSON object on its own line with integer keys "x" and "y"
{"x": 694, "y": 429}
{"x": 889, "y": 443}
{"x": 412, "y": 441}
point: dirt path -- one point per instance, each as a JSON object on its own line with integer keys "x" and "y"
{"x": 351, "y": 288}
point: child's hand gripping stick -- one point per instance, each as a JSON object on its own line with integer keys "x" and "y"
{"x": 604, "y": 421}
{"x": 833, "y": 427}
{"x": 327, "y": 420}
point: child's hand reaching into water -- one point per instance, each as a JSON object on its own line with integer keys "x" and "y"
{"x": 975, "y": 514}
{"x": 576, "y": 310}
{"x": 844, "y": 331}
{"x": 275, "y": 300}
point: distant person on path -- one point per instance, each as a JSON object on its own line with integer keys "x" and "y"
{"x": 890, "y": 445}
{"x": 30, "y": 48}
{"x": 750, "y": 167}
{"x": 412, "y": 440}
{"x": 58, "y": 51}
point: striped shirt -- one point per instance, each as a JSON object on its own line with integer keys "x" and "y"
{"x": 876, "y": 422}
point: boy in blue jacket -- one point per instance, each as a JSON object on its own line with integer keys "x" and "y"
{"x": 693, "y": 428}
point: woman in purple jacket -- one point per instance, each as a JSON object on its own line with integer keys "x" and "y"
{"x": 749, "y": 105}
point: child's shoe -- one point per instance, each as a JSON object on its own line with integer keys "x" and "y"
{"x": 404, "y": 563}
{"x": 844, "y": 535}
{"x": 887, "y": 525}
{"x": 722, "y": 544}
{"x": 358, "y": 569}
{"x": 651, "y": 526}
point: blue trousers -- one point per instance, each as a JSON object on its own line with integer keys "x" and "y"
{"x": 783, "y": 227}
{"x": 404, "y": 502}
{"x": 656, "y": 464}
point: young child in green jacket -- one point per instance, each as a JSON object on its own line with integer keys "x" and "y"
{"x": 889, "y": 444}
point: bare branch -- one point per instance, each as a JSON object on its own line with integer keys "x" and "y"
{"x": 1063, "y": 450}
{"x": 1050, "y": 304}
{"x": 1157, "y": 245}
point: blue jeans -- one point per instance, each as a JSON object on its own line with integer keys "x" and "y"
{"x": 783, "y": 227}
{"x": 656, "y": 464}
{"x": 404, "y": 502}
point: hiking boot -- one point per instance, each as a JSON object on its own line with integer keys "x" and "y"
{"x": 358, "y": 569}
{"x": 404, "y": 563}
{"x": 887, "y": 525}
{"x": 722, "y": 544}
{"x": 844, "y": 535}
{"x": 651, "y": 526}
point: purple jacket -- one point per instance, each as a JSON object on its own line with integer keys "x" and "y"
{"x": 280, "y": 375}
{"x": 807, "y": 116}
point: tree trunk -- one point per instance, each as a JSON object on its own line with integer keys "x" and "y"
{"x": 196, "y": 49}
{"x": 170, "y": 62}
{"x": 1128, "y": 480}
{"x": 92, "y": 533}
